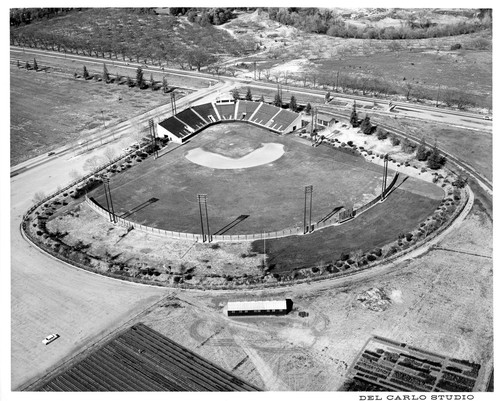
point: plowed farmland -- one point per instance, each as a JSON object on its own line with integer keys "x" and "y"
{"x": 141, "y": 359}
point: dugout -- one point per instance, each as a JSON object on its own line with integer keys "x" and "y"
{"x": 252, "y": 308}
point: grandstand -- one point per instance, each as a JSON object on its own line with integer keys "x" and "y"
{"x": 207, "y": 112}
{"x": 264, "y": 113}
{"x": 176, "y": 128}
{"x": 192, "y": 120}
{"x": 282, "y": 120}
{"x": 246, "y": 109}
{"x": 226, "y": 110}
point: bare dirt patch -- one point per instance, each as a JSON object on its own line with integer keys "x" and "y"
{"x": 440, "y": 302}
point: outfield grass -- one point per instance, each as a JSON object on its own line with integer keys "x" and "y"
{"x": 402, "y": 211}
{"x": 272, "y": 195}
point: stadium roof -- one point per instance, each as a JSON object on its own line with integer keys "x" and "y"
{"x": 256, "y": 305}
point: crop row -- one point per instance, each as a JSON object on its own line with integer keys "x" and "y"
{"x": 141, "y": 359}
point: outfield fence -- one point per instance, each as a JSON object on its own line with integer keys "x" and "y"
{"x": 332, "y": 221}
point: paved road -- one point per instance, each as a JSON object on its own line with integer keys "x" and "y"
{"x": 403, "y": 109}
{"x": 48, "y": 296}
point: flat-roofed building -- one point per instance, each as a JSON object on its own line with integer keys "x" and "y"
{"x": 247, "y": 308}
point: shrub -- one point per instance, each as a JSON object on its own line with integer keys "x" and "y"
{"x": 315, "y": 269}
{"x": 371, "y": 257}
{"x": 395, "y": 141}
{"x": 349, "y": 143}
{"x": 215, "y": 246}
{"x": 382, "y": 133}
{"x": 456, "y": 46}
{"x": 344, "y": 256}
{"x": 377, "y": 251}
{"x": 409, "y": 237}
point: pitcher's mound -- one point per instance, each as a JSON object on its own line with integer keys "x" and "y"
{"x": 267, "y": 153}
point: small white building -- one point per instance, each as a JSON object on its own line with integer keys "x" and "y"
{"x": 247, "y": 308}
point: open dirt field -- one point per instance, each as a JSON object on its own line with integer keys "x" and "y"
{"x": 87, "y": 107}
{"x": 440, "y": 302}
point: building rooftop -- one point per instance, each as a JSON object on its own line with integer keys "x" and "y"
{"x": 256, "y": 305}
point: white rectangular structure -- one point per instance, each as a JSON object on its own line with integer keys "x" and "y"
{"x": 243, "y": 308}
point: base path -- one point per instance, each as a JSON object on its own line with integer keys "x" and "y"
{"x": 268, "y": 153}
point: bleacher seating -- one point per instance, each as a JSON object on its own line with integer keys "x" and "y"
{"x": 282, "y": 120}
{"x": 246, "y": 109}
{"x": 264, "y": 114}
{"x": 226, "y": 110}
{"x": 190, "y": 118}
{"x": 175, "y": 126}
{"x": 206, "y": 110}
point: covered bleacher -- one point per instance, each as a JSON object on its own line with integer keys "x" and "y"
{"x": 226, "y": 110}
{"x": 176, "y": 127}
{"x": 191, "y": 119}
{"x": 207, "y": 112}
{"x": 264, "y": 114}
{"x": 282, "y": 120}
{"x": 246, "y": 109}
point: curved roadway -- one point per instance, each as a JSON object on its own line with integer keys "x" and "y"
{"x": 48, "y": 296}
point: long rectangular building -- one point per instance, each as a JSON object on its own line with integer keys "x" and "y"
{"x": 246, "y": 308}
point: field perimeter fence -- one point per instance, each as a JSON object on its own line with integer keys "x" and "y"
{"x": 76, "y": 182}
{"x": 332, "y": 221}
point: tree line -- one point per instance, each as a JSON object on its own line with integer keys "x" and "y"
{"x": 330, "y": 23}
{"x": 117, "y": 33}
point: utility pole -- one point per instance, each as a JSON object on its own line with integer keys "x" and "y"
{"x": 172, "y": 103}
{"x": 384, "y": 179}
{"x": 109, "y": 201}
{"x": 152, "y": 131}
{"x": 337, "y": 85}
{"x": 308, "y": 197}
{"x": 437, "y": 99}
{"x": 202, "y": 203}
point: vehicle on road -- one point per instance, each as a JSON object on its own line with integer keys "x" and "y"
{"x": 51, "y": 337}
{"x": 51, "y": 153}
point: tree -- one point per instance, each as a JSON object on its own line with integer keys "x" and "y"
{"x": 130, "y": 82}
{"x": 105, "y": 73}
{"x": 93, "y": 163}
{"x": 354, "y": 117}
{"x": 435, "y": 160}
{"x": 165, "y": 84}
{"x": 236, "y": 94}
{"x": 35, "y": 64}
{"x": 308, "y": 108}
{"x": 39, "y": 196}
{"x": 27, "y": 66}
{"x": 152, "y": 81}
{"x": 293, "y": 103}
{"x": 366, "y": 126}
{"x": 327, "y": 97}
{"x": 18, "y": 64}
{"x": 86, "y": 74}
{"x": 422, "y": 152}
{"x": 261, "y": 99}
{"x": 248, "y": 96}
{"x": 110, "y": 154}
{"x": 139, "y": 77}
{"x": 277, "y": 100}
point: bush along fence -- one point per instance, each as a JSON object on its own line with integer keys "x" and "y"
{"x": 87, "y": 262}
{"x": 332, "y": 221}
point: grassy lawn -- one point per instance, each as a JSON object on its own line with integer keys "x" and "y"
{"x": 400, "y": 213}
{"x": 49, "y": 110}
{"x": 272, "y": 195}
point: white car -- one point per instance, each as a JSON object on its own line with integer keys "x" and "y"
{"x": 47, "y": 340}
